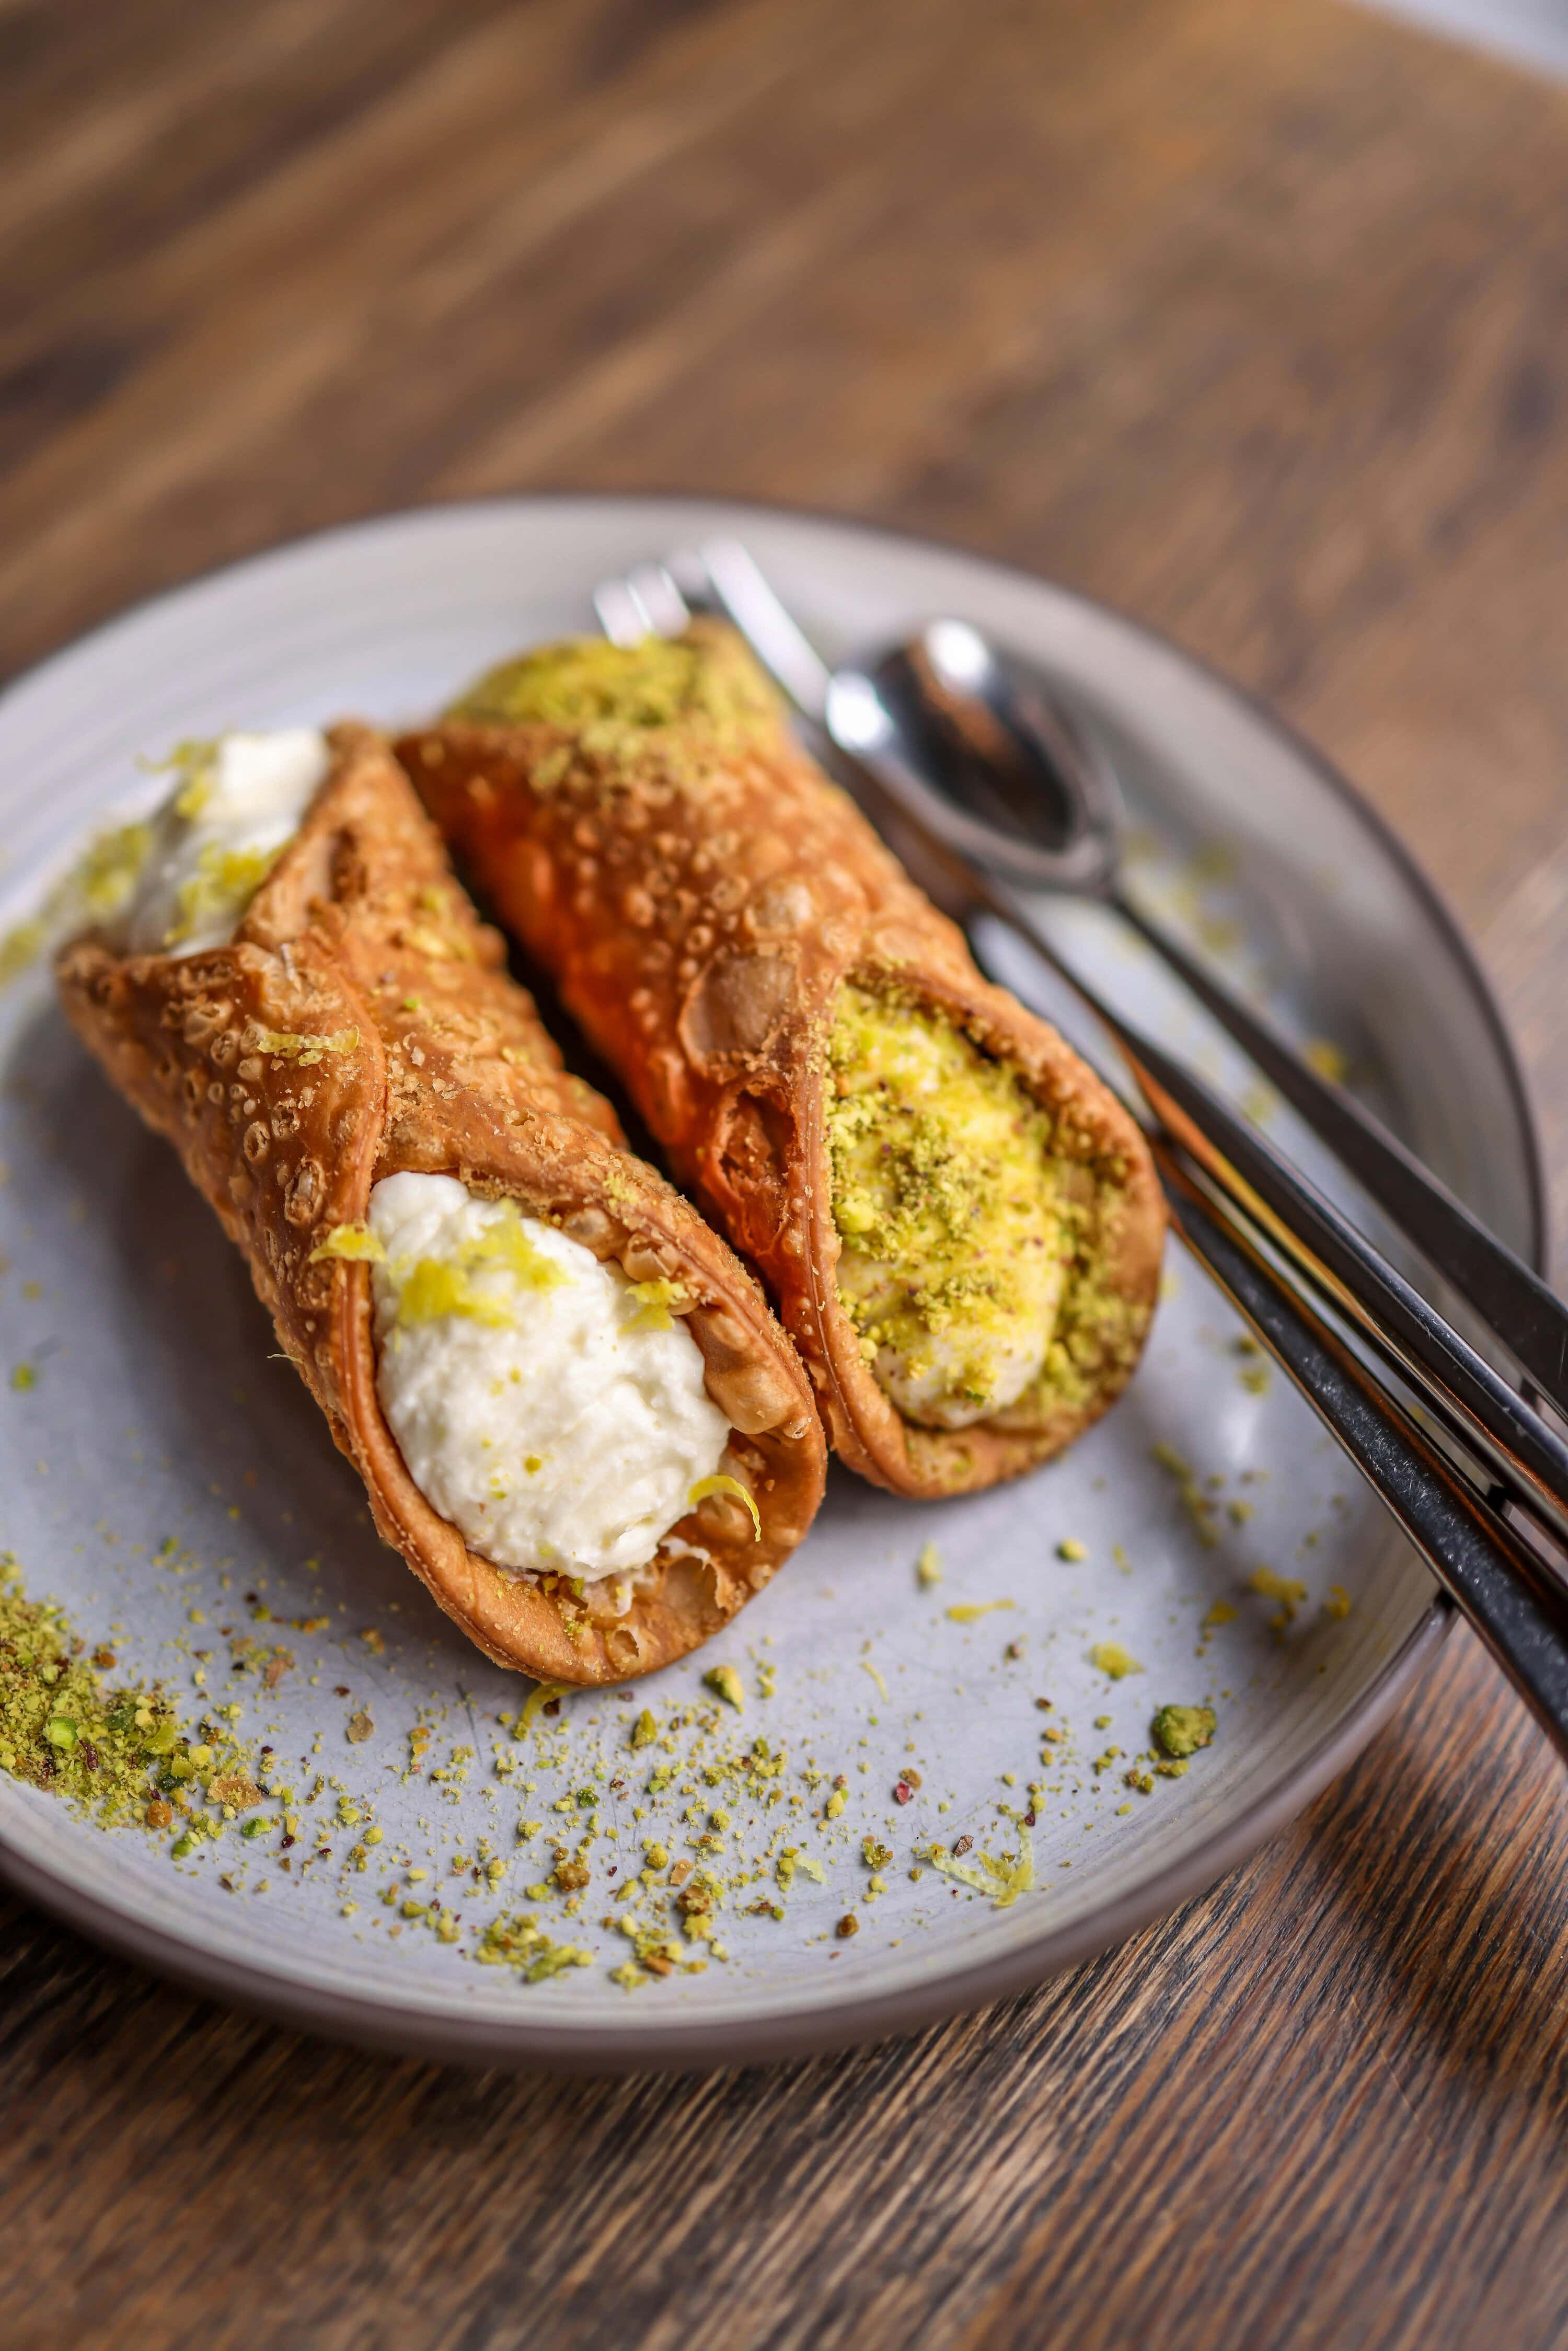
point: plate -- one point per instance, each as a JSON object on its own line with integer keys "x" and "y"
{"x": 164, "y": 1475}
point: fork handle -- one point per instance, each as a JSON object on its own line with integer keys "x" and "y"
{"x": 1531, "y": 1321}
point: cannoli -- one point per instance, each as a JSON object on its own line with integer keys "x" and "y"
{"x": 959, "y": 1224}
{"x": 574, "y": 1415}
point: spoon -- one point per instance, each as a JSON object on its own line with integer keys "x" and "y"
{"x": 981, "y": 750}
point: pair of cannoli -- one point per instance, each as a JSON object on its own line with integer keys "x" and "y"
{"x": 574, "y": 1413}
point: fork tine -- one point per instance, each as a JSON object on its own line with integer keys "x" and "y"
{"x": 620, "y": 616}
{"x": 686, "y": 571}
{"x": 661, "y": 600}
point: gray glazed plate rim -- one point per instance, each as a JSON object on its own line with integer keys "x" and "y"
{"x": 680, "y": 2043}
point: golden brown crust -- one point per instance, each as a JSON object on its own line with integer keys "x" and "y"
{"x": 360, "y": 932}
{"x": 698, "y": 915}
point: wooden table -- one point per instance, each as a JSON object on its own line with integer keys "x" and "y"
{"x": 1252, "y": 322}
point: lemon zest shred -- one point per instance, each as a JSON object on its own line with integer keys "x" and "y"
{"x": 20, "y": 949}
{"x": 356, "y": 1243}
{"x": 1114, "y": 1660}
{"x": 1287, "y": 1589}
{"x": 1003, "y": 1880}
{"x": 196, "y": 759}
{"x": 969, "y": 1612}
{"x": 537, "y": 1699}
{"x": 655, "y": 1302}
{"x": 96, "y": 886}
{"x": 224, "y": 883}
{"x": 720, "y": 1484}
{"x": 504, "y": 1243}
{"x": 291, "y": 1045}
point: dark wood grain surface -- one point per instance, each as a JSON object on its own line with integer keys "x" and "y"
{"x": 1251, "y": 321}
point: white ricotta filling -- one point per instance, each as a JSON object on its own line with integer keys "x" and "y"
{"x": 553, "y": 1415}
{"x": 238, "y": 802}
{"x": 944, "y": 1382}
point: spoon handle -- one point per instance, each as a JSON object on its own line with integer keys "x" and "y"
{"x": 1507, "y": 1592}
{"x": 1530, "y": 1320}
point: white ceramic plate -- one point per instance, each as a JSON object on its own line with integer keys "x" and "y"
{"x": 161, "y": 1410}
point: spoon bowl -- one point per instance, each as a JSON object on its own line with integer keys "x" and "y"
{"x": 988, "y": 754}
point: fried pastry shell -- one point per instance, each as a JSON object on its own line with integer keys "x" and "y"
{"x": 361, "y": 1023}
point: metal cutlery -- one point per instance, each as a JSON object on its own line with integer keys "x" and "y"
{"x": 1278, "y": 1247}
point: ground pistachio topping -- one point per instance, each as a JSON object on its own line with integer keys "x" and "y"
{"x": 705, "y": 679}
{"x": 1181, "y": 1730}
{"x": 118, "y": 1754}
{"x": 724, "y": 1682}
{"x": 519, "y": 1942}
{"x": 945, "y": 1201}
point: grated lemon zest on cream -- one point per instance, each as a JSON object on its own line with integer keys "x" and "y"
{"x": 555, "y": 1438}
{"x": 195, "y": 761}
{"x": 219, "y": 891}
{"x": 237, "y": 803}
{"x": 431, "y": 1288}
{"x": 654, "y": 1302}
{"x": 505, "y": 1244}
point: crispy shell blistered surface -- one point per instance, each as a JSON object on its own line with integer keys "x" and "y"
{"x": 699, "y": 906}
{"x": 419, "y": 1053}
